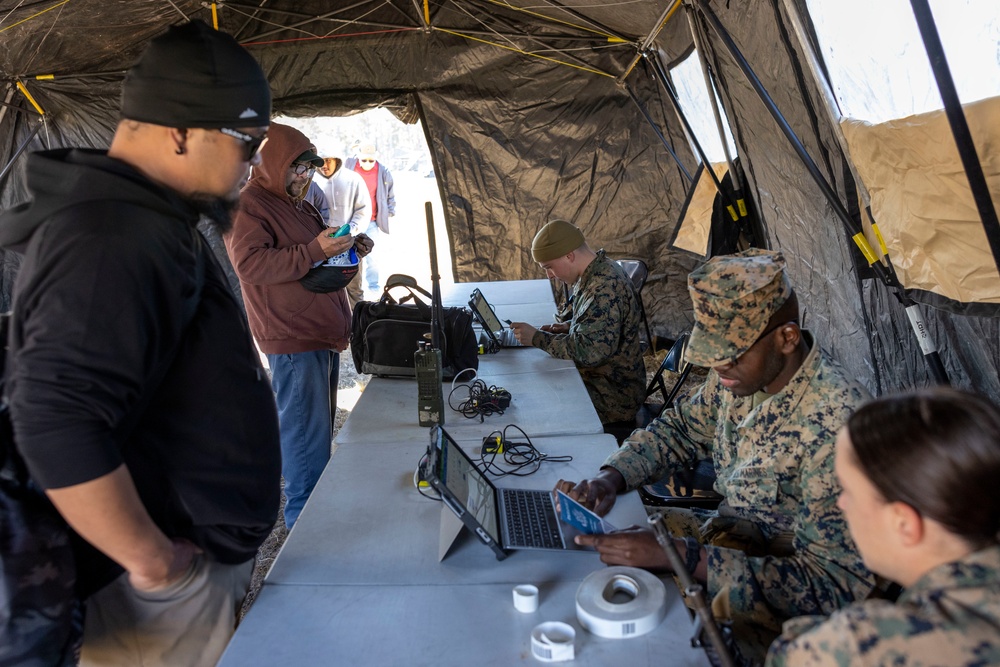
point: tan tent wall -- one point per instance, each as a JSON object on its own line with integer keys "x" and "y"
{"x": 695, "y": 230}
{"x": 921, "y": 200}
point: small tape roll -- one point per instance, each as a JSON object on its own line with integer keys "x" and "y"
{"x": 621, "y": 602}
{"x": 553, "y": 642}
{"x": 526, "y": 598}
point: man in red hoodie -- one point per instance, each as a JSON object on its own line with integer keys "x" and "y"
{"x": 278, "y": 239}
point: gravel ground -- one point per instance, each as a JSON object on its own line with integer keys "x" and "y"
{"x": 350, "y": 378}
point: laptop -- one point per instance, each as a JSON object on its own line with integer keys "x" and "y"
{"x": 504, "y": 519}
{"x": 495, "y": 331}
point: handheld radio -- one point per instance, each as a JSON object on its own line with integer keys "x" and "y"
{"x": 427, "y": 359}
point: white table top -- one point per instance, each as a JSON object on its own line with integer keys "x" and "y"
{"x": 437, "y": 626}
{"x": 498, "y": 293}
{"x": 547, "y": 398}
{"x": 366, "y": 523}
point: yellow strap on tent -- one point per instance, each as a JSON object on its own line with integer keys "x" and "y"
{"x": 45, "y": 77}
{"x": 881, "y": 241}
{"x": 24, "y": 91}
{"x": 866, "y": 250}
{"x": 742, "y": 206}
{"x": 215, "y": 16}
{"x": 427, "y": 12}
{"x": 732, "y": 212}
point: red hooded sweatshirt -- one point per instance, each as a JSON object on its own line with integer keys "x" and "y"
{"x": 272, "y": 245}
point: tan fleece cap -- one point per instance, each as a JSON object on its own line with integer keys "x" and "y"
{"x": 555, "y": 239}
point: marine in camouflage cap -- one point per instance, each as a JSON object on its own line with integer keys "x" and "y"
{"x": 734, "y": 298}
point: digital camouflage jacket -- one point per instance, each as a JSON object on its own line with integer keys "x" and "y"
{"x": 774, "y": 465}
{"x": 603, "y": 340}
{"x": 951, "y": 616}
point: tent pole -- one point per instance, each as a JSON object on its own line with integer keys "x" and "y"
{"x": 959, "y": 125}
{"x": 660, "y": 75}
{"x": 854, "y": 229}
{"x": 20, "y": 149}
{"x": 644, "y": 45}
{"x": 706, "y": 71}
{"x": 659, "y": 134}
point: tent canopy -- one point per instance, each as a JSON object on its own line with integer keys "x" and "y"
{"x": 533, "y": 110}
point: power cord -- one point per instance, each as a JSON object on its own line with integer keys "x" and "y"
{"x": 420, "y": 483}
{"x": 523, "y": 457}
{"x": 482, "y": 401}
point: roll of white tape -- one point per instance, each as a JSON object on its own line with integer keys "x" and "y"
{"x": 621, "y": 602}
{"x": 553, "y": 642}
{"x": 526, "y": 598}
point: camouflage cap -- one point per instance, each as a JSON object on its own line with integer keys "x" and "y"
{"x": 734, "y": 297}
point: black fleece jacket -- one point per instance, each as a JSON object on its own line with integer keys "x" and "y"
{"x": 109, "y": 272}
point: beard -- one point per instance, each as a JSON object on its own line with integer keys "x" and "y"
{"x": 218, "y": 210}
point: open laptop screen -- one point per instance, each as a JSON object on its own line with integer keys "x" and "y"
{"x": 484, "y": 312}
{"x": 468, "y": 484}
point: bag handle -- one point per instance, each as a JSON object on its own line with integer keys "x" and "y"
{"x": 402, "y": 280}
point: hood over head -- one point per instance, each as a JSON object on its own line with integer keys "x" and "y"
{"x": 283, "y": 147}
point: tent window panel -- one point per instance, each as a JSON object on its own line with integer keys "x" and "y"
{"x": 877, "y": 62}
{"x": 689, "y": 81}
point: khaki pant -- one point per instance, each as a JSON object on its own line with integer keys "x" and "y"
{"x": 188, "y": 623}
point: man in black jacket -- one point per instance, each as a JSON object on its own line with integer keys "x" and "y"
{"x": 138, "y": 400}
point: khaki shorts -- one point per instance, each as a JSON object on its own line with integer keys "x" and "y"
{"x": 188, "y": 623}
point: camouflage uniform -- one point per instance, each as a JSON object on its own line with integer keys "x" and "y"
{"x": 778, "y": 543}
{"x": 951, "y": 616}
{"x": 603, "y": 340}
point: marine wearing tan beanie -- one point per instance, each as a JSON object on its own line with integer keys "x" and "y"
{"x": 555, "y": 239}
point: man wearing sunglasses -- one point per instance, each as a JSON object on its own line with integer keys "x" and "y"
{"x": 138, "y": 400}
{"x": 378, "y": 180}
{"x": 278, "y": 238}
{"x": 768, "y": 415}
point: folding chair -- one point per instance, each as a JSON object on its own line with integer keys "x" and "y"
{"x": 692, "y": 487}
{"x": 637, "y": 272}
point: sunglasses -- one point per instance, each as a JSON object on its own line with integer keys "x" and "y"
{"x": 251, "y": 143}
{"x": 301, "y": 167}
{"x": 367, "y": 160}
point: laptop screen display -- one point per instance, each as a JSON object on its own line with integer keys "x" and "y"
{"x": 468, "y": 484}
{"x": 484, "y": 313}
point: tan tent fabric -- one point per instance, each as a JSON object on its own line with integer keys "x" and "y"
{"x": 922, "y": 202}
{"x": 694, "y": 231}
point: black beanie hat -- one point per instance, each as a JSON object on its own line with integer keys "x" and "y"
{"x": 194, "y": 76}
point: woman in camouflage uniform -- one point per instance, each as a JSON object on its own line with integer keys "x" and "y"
{"x": 919, "y": 474}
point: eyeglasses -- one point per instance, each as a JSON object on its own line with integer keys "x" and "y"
{"x": 301, "y": 167}
{"x": 251, "y": 143}
{"x": 367, "y": 160}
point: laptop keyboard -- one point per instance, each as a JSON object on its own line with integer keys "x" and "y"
{"x": 531, "y": 521}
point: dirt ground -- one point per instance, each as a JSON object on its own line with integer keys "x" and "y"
{"x": 352, "y": 381}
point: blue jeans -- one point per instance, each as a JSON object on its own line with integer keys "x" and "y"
{"x": 305, "y": 389}
{"x": 370, "y": 267}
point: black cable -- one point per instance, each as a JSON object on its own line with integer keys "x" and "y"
{"x": 523, "y": 457}
{"x": 419, "y": 476}
{"x": 483, "y": 400}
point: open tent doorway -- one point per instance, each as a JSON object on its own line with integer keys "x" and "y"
{"x": 402, "y": 149}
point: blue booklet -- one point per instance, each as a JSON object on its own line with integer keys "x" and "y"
{"x": 581, "y": 518}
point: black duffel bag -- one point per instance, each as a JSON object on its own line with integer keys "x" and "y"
{"x": 385, "y": 333}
